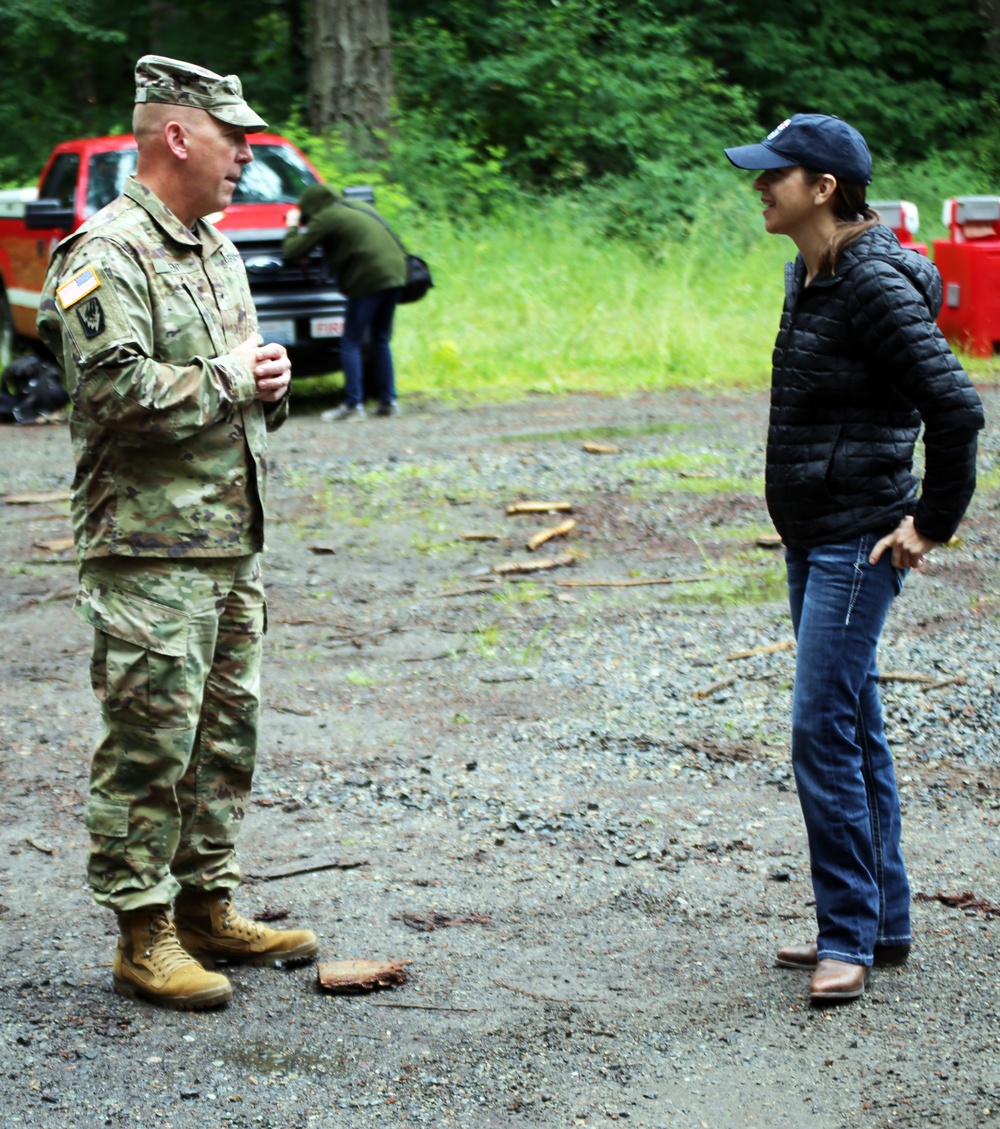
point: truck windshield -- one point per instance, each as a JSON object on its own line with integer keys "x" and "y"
{"x": 277, "y": 175}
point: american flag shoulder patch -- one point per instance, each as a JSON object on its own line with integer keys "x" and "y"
{"x": 78, "y": 287}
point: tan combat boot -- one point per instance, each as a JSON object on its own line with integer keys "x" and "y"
{"x": 150, "y": 962}
{"x": 208, "y": 923}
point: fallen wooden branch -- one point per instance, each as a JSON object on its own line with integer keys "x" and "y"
{"x": 597, "y": 447}
{"x": 544, "y": 535}
{"x": 769, "y": 649}
{"x": 707, "y": 691}
{"x": 467, "y": 591}
{"x": 62, "y": 594}
{"x": 47, "y": 515}
{"x": 480, "y": 536}
{"x": 526, "y": 507}
{"x": 506, "y": 567}
{"x": 955, "y": 680}
{"x": 37, "y": 499}
{"x": 928, "y": 681}
{"x": 425, "y": 1007}
{"x": 305, "y": 866}
{"x": 55, "y": 544}
{"x": 539, "y": 996}
{"x": 428, "y": 922}
{"x": 634, "y": 583}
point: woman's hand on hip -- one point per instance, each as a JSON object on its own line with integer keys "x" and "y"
{"x": 909, "y": 546}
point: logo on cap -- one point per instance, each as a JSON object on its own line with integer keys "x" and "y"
{"x": 778, "y": 128}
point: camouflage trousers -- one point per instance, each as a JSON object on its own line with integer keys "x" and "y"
{"x": 176, "y": 668}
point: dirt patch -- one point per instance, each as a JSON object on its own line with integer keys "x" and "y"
{"x": 582, "y": 782}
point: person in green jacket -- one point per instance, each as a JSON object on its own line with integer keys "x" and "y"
{"x": 370, "y": 267}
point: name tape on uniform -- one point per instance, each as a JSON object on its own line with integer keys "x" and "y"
{"x": 79, "y": 287}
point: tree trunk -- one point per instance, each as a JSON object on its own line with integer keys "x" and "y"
{"x": 350, "y": 69}
{"x": 990, "y": 11}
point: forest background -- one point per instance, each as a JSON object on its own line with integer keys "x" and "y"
{"x": 559, "y": 162}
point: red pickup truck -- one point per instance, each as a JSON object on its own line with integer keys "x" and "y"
{"x": 298, "y": 306}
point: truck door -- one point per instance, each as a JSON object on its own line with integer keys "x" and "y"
{"x": 30, "y": 256}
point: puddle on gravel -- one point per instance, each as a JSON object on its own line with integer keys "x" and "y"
{"x": 598, "y": 432}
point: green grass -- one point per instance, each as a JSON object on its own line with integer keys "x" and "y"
{"x": 536, "y": 302}
{"x": 535, "y": 305}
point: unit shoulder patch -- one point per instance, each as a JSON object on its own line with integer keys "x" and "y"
{"x": 91, "y": 315}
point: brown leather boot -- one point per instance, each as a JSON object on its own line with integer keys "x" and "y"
{"x": 208, "y": 923}
{"x": 836, "y": 980}
{"x": 150, "y": 962}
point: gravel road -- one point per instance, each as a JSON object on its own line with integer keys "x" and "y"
{"x": 563, "y": 795}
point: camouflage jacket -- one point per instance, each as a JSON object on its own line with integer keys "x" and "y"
{"x": 169, "y": 442}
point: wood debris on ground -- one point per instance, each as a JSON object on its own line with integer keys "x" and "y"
{"x": 925, "y": 681}
{"x": 708, "y": 691}
{"x": 55, "y": 544}
{"x": 968, "y": 901}
{"x": 361, "y": 975}
{"x": 769, "y": 541}
{"x": 599, "y": 447}
{"x": 633, "y": 582}
{"x": 477, "y": 536}
{"x": 428, "y": 922}
{"x": 506, "y": 567}
{"x": 305, "y": 866}
{"x": 766, "y": 649}
{"x": 37, "y": 499}
{"x": 544, "y": 535}
{"x": 474, "y": 590}
{"x": 528, "y": 507}
{"x": 323, "y": 550}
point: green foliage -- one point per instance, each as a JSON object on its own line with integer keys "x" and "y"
{"x": 913, "y": 76}
{"x": 565, "y": 93}
{"x": 49, "y": 93}
{"x": 501, "y": 103}
{"x": 340, "y": 165}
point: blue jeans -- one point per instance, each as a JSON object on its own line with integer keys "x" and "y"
{"x": 843, "y": 767}
{"x": 374, "y": 313}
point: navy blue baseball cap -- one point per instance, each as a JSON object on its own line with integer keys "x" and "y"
{"x": 815, "y": 141}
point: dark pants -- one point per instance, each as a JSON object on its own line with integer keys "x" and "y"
{"x": 371, "y": 313}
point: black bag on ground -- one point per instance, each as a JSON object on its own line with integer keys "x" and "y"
{"x": 418, "y": 279}
{"x": 29, "y": 388}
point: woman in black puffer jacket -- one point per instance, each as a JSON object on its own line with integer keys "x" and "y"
{"x": 859, "y": 365}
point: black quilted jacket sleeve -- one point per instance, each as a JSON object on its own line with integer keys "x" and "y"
{"x": 859, "y": 365}
{"x": 892, "y": 322}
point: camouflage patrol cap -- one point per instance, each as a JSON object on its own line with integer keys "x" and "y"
{"x": 159, "y": 79}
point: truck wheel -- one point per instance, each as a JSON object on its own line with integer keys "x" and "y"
{"x": 7, "y": 339}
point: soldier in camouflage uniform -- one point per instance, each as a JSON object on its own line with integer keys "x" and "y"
{"x": 148, "y": 310}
